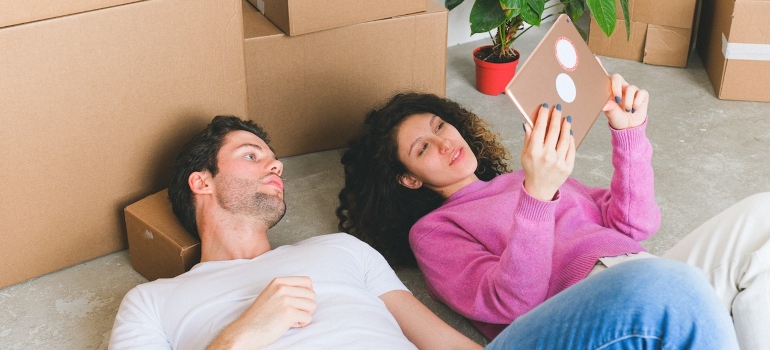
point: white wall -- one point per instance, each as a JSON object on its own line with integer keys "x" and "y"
{"x": 459, "y": 30}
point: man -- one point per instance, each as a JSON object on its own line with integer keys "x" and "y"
{"x": 333, "y": 291}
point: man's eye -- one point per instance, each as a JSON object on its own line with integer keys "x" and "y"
{"x": 250, "y": 157}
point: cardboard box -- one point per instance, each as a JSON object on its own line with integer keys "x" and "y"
{"x": 159, "y": 247}
{"x": 296, "y": 17}
{"x": 95, "y": 105}
{"x": 661, "y": 32}
{"x": 311, "y": 92}
{"x": 734, "y": 44}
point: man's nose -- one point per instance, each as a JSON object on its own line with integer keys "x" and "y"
{"x": 276, "y": 167}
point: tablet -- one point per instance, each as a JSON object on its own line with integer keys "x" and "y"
{"x": 562, "y": 69}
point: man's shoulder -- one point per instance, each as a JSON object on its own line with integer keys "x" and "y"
{"x": 331, "y": 238}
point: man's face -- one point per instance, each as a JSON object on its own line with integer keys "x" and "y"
{"x": 249, "y": 179}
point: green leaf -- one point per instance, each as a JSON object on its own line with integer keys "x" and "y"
{"x": 450, "y": 4}
{"x": 532, "y": 12}
{"x": 574, "y": 9}
{"x": 624, "y": 6}
{"x": 486, "y": 15}
{"x": 511, "y": 4}
{"x": 604, "y": 13}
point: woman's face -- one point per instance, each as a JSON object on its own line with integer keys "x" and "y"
{"x": 435, "y": 155}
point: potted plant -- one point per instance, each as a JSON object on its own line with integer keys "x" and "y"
{"x": 496, "y": 63}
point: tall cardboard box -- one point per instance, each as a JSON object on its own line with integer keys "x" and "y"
{"x": 311, "y": 92}
{"x": 297, "y": 17}
{"x": 661, "y": 32}
{"x": 96, "y": 98}
{"x": 734, "y": 44}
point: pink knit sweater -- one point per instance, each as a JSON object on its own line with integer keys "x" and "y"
{"x": 492, "y": 252}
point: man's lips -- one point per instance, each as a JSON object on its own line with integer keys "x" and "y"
{"x": 274, "y": 180}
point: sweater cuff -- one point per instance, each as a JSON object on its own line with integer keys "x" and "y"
{"x": 630, "y": 138}
{"x": 534, "y": 209}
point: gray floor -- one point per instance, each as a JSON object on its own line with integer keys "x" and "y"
{"x": 709, "y": 154}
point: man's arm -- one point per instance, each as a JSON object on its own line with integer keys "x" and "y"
{"x": 286, "y": 302}
{"x": 421, "y": 326}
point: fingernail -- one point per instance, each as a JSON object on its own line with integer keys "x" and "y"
{"x": 545, "y": 105}
{"x": 633, "y": 110}
{"x": 569, "y": 119}
{"x": 558, "y": 106}
{"x": 524, "y": 127}
{"x": 617, "y": 99}
{"x": 628, "y": 110}
{"x": 570, "y": 132}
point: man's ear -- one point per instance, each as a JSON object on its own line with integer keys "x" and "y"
{"x": 409, "y": 181}
{"x": 200, "y": 182}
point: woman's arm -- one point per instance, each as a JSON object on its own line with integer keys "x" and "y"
{"x": 491, "y": 267}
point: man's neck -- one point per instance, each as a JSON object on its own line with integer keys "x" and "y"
{"x": 230, "y": 239}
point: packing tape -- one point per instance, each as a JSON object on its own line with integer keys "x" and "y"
{"x": 743, "y": 51}
{"x": 261, "y": 6}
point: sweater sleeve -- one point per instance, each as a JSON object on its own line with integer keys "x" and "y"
{"x": 492, "y": 283}
{"x": 629, "y": 205}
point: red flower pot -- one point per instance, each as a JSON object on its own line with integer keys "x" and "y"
{"x": 492, "y": 78}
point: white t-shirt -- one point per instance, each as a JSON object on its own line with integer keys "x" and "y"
{"x": 190, "y": 310}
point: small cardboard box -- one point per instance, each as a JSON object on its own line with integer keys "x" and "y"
{"x": 311, "y": 92}
{"x": 96, "y": 99}
{"x": 296, "y": 17}
{"x": 158, "y": 245}
{"x": 734, "y": 44}
{"x": 661, "y": 31}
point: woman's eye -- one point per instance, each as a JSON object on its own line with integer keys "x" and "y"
{"x": 440, "y": 126}
{"x": 422, "y": 149}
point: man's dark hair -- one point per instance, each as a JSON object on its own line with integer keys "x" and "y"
{"x": 199, "y": 154}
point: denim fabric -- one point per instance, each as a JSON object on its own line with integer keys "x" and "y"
{"x": 639, "y": 304}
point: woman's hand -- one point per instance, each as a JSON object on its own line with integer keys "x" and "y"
{"x": 548, "y": 155}
{"x": 627, "y": 107}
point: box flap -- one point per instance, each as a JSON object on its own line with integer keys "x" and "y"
{"x": 670, "y": 13}
{"x": 667, "y": 46}
{"x": 750, "y": 22}
{"x": 297, "y": 17}
{"x": 616, "y": 44}
{"x": 21, "y": 11}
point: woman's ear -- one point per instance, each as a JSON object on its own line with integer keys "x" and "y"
{"x": 409, "y": 181}
{"x": 199, "y": 182}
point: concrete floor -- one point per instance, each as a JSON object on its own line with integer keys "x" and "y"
{"x": 709, "y": 154}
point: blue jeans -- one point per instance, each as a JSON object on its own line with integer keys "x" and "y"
{"x": 640, "y": 304}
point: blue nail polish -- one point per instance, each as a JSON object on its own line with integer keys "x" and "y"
{"x": 617, "y": 99}
{"x": 545, "y": 105}
{"x": 558, "y": 106}
{"x": 628, "y": 110}
{"x": 569, "y": 119}
{"x": 570, "y": 132}
{"x": 524, "y": 127}
{"x": 633, "y": 110}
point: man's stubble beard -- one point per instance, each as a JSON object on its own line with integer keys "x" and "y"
{"x": 239, "y": 198}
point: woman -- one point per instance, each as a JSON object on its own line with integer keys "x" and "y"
{"x": 428, "y": 175}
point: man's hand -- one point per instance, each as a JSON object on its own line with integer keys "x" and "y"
{"x": 548, "y": 155}
{"x": 285, "y": 303}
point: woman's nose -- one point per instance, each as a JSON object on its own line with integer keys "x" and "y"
{"x": 445, "y": 145}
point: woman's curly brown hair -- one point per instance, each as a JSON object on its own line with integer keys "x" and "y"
{"x": 374, "y": 206}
